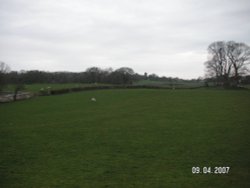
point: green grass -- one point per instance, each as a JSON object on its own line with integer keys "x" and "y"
{"x": 128, "y": 138}
{"x": 168, "y": 84}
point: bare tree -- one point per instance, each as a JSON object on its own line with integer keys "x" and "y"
{"x": 227, "y": 60}
{"x": 17, "y": 88}
{"x": 239, "y": 56}
{"x": 93, "y": 74}
{"x": 125, "y": 75}
{"x": 4, "y": 68}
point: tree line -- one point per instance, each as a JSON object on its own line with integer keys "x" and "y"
{"x": 120, "y": 76}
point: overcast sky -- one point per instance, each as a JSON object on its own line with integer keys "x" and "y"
{"x": 166, "y": 37}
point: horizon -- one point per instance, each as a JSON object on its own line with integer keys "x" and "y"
{"x": 167, "y": 38}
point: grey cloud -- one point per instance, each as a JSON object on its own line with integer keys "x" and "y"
{"x": 162, "y": 36}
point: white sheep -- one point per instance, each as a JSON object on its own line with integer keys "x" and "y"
{"x": 93, "y": 99}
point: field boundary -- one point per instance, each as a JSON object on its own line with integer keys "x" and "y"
{"x": 88, "y": 88}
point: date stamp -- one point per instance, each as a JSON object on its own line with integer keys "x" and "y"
{"x": 211, "y": 170}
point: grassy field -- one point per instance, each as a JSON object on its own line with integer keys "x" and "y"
{"x": 128, "y": 138}
{"x": 166, "y": 84}
{"x": 36, "y": 88}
